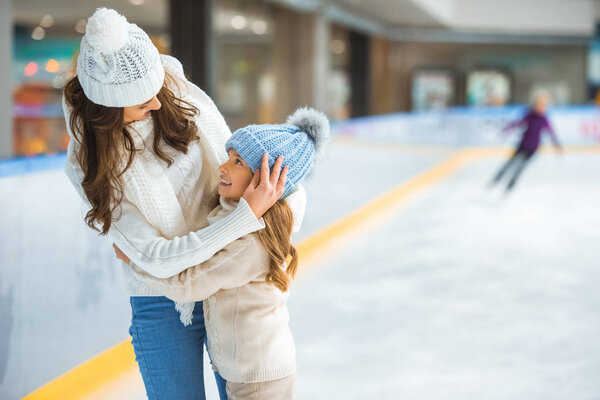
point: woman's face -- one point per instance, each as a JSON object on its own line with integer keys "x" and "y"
{"x": 236, "y": 175}
{"x": 141, "y": 111}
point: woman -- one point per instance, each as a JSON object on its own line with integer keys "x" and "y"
{"x": 144, "y": 156}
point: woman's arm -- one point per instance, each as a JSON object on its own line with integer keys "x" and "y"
{"x": 145, "y": 245}
{"x": 235, "y": 265}
{"x": 163, "y": 257}
{"x": 267, "y": 188}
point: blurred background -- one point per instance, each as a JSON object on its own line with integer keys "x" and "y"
{"x": 461, "y": 293}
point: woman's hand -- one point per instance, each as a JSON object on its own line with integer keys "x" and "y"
{"x": 120, "y": 255}
{"x": 265, "y": 189}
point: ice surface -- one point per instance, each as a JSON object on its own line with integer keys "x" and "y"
{"x": 466, "y": 294}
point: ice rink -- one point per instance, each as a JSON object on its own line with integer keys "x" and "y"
{"x": 418, "y": 279}
{"x": 456, "y": 292}
{"x": 463, "y": 293}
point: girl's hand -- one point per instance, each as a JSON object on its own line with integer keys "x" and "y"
{"x": 265, "y": 189}
{"x": 120, "y": 255}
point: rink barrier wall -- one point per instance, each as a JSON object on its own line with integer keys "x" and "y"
{"x": 108, "y": 367}
{"x": 457, "y": 126}
{"x": 470, "y": 126}
{"x": 26, "y": 165}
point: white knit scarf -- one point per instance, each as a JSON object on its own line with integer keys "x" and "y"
{"x": 145, "y": 182}
{"x": 146, "y": 185}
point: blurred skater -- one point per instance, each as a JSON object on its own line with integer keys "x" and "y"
{"x": 535, "y": 122}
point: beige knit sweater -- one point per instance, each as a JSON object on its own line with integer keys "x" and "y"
{"x": 246, "y": 318}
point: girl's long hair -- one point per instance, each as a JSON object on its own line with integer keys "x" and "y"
{"x": 276, "y": 239}
{"x": 107, "y": 148}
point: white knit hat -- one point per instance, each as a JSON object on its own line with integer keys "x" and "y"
{"x": 118, "y": 66}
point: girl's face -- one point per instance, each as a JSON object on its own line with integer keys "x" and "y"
{"x": 235, "y": 176}
{"x": 141, "y": 111}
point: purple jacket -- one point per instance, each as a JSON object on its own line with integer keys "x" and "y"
{"x": 535, "y": 124}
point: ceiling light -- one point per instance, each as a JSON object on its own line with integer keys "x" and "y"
{"x": 47, "y": 21}
{"x": 238, "y": 22}
{"x": 80, "y": 26}
{"x": 259, "y": 27}
{"x": 38, "y": 33}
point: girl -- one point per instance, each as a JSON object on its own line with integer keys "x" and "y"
{"x": 245, "y": 284}
{"x": 145, "y": 146}
{"x": 535, "y": 122}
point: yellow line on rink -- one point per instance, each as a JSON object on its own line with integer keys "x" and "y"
{"x": 376, "y": 210}
{"x": 115, "y": 368}
{"x": 334, "y": 236}
{"x": 92, "y": 376}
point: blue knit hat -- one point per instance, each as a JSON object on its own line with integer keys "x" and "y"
{"x": 298, "y": 141}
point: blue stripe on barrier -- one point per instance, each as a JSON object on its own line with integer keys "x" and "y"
{"x": 25, "y": 165}
{"x": 508, "y": 111}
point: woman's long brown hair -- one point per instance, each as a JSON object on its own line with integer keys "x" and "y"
{"x": 107, "y": 148}
{"x": 276, "y": 239}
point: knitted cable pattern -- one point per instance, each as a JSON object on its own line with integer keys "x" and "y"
{"x": 214, "y": 346}
{"x": 286, "y": 140}
{"x": 118, "y": 65}
{"x": 146, "y": 186}
{"x": 127, "y": 65}
{"x": 145, "y": 183}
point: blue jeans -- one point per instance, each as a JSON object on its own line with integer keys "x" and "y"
{"x": 169, "y": 355}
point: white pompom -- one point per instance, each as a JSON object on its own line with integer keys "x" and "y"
{"x": 107, "y": 31}
{"x": 314, "y": 123}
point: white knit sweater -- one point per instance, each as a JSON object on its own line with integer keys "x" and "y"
{"x": 246, "y": 318}
{"x": 162, "y": 225}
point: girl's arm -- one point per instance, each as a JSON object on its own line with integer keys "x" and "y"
{"x": 144, "y": 244}
{"x": 235, "y": 265}
{"x": 162, "y": 257}
{"x": 159, "y": 256}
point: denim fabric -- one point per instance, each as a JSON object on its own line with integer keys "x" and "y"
{"x": 221, "y": 386}
{"x": 169, "y": 355}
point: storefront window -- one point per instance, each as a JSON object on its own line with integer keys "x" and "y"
{"x": 433, "y": 89}
{"x": 488, "y": 87}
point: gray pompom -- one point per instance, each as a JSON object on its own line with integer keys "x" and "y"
{"x": 314, "y": 123}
